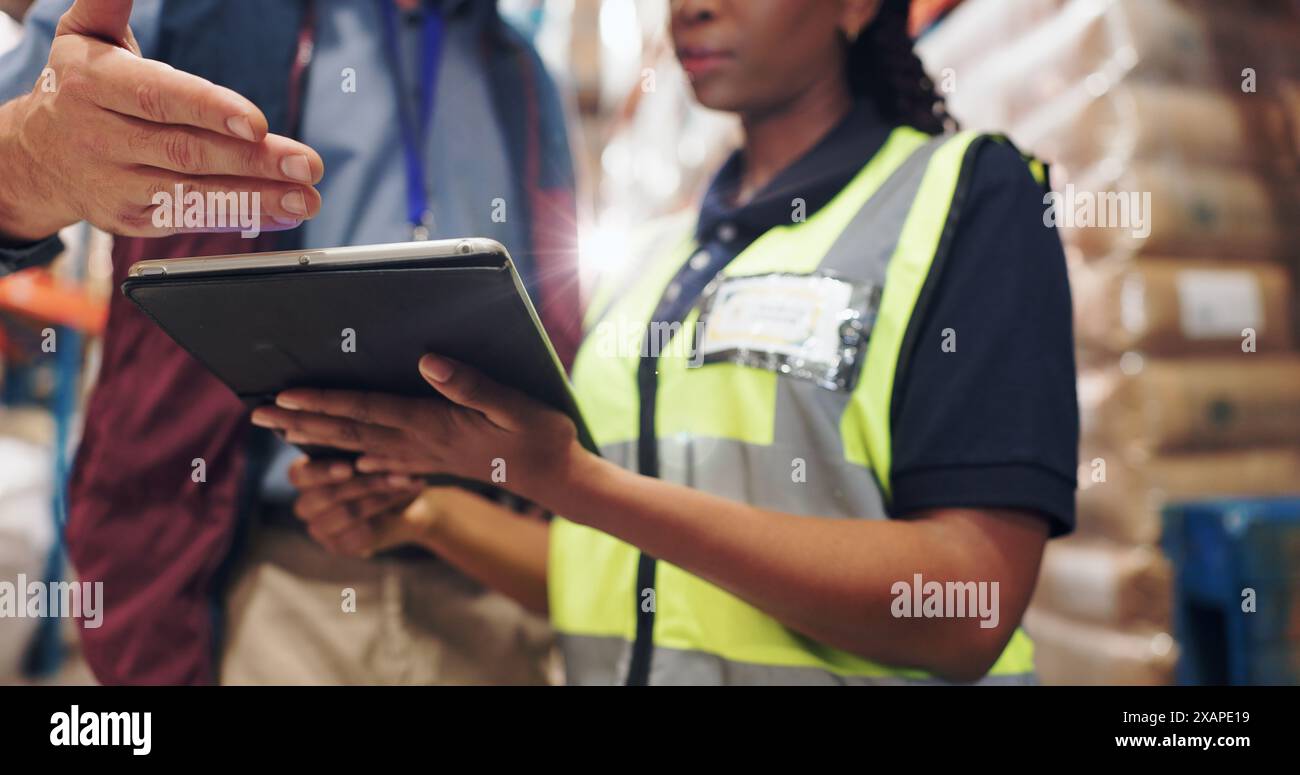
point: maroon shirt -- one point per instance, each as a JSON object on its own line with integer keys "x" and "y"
{"x": 137, "y": 519}
{"x": 138, "y": 522}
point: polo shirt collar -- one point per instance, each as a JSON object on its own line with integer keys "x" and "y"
{"x": 816, "y": 177}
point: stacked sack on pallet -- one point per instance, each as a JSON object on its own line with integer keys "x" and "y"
{"x": 1173, "y": 128}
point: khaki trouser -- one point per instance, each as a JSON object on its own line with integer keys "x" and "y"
{"x": 416, "y": 621}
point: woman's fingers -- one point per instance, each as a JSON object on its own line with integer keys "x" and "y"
{"x": 306, "y": 473}
{"x": 504, "y": 407}
{"x": 366, "y": 407}
{"x": 397, "y": 466}
{"x": 344, "y": 515}
{"x": 482, "y": 421}
{"x": 319, "y": 500}
{"x": 337, "y": 504}
{"x": 464, "y": 385}
{"x": 308, "y": 428}
{"x": 363, "y": 539}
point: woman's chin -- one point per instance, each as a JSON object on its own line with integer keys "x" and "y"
{"x": 715, "y": 96}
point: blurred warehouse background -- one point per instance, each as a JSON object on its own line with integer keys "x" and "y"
{"x": 1186, "y": 564}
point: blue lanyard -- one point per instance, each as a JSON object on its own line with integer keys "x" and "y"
{"x": 415, "y": 130}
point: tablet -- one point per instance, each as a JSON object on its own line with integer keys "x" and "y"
{"x": 355, "y": 318}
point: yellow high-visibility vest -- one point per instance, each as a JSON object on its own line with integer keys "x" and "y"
{"x": 735, "y": 430}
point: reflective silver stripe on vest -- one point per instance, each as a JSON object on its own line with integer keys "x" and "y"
{"x": 594, "y": 661}
{"x": 808, "y": 416}
{"x": 597, "y": 661}
{"x": 862, "y": 251}
{"x": 762, "y": 475}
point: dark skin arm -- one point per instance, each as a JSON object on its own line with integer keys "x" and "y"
{"x": 356, "y": 514}
{"x": 830, "y": 579}
{"x": 497, "y": 547}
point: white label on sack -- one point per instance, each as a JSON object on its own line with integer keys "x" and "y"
{"x": 1132, "y": 304}
{"x": 1218, "y": 304}
{"x": 794, "y": 316}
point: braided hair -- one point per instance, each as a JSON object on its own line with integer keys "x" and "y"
{"x": 883, "y": 67}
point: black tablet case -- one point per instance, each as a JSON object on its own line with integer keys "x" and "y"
{"x": 264, "y": 332}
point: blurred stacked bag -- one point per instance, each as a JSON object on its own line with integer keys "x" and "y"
{"x": 1089, "y": 47}
{"x": 1105, "y": 583}
{"x": 1124, "y": 504}
{"x": 1220, "y": 212}
{"x": 1177, "y": 307}
{"x": 1173, "y": 130}
{"x": 1073, "y": 652}
{"x": 1146, "y": 407}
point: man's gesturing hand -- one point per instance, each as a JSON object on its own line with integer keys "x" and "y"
{"x": 117, "y": 129}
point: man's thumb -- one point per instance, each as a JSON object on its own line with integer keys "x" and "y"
{"x": 107, "y": 20}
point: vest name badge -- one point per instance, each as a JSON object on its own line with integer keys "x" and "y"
{"x": 808, "y": 326}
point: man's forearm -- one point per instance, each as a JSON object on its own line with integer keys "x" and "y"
{"x": 27, "y": 205}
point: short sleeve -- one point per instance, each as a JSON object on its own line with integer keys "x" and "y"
{"x": 985, "y": 413}
{"x": 16, "y": 256}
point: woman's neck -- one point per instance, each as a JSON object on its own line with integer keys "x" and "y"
{"x": 774, "y": 139}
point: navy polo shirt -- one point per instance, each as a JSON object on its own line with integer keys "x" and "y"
{"x": 992, "y": 423}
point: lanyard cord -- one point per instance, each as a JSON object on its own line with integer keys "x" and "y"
{"x": 415, "y": 130}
